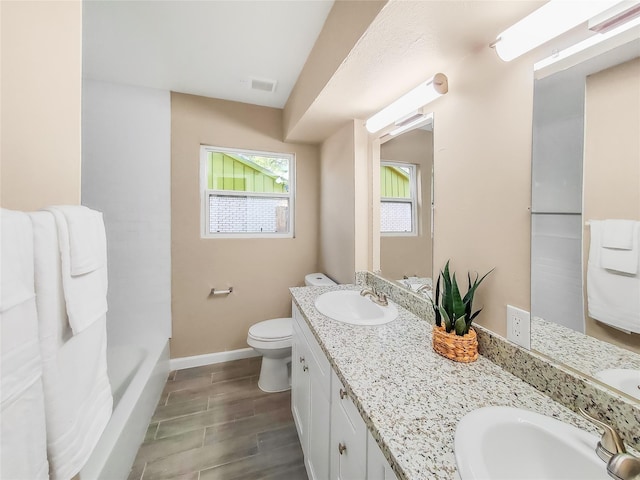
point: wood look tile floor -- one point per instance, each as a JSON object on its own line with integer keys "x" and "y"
{"x": 214, "y": 423}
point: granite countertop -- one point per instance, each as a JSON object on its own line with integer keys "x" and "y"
{"x": 410, "y": 397}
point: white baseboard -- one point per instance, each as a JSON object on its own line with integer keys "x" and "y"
{"x": 211, "y": 358}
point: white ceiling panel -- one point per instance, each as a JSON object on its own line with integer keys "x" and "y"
{"x": 209, "y": 48}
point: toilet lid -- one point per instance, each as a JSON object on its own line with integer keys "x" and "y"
{"x": 276, "y": 329}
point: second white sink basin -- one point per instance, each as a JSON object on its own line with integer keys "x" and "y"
{"x": 349, "y": 306}
{"x": 626, "y": 380}
{"x": 506, "y": 443}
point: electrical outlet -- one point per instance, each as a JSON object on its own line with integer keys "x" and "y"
{"x": 519, "y": 326}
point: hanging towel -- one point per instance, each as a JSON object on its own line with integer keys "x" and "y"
{"x": 23, "y": 451}
{"x": 612, "y": 298}
{"x": 618, "y": 234}
{"x": 83, "y": 252}
{"x": 78, "y": 399}
{"x": 623, "y": 233}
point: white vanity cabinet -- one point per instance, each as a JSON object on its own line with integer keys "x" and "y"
{"x": 310, "y": 402}
{"x": 334, "y": 438}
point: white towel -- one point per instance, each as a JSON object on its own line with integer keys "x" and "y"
{"x": 16, "y": 281}
{"x": 85, "y": 294}
{"x": 76, "y": 387}
{"x": 612, "y": 298}
{"x": 22, "y": 429}
{"x": 617, "y": 258}
{"x": 618, "y": 234}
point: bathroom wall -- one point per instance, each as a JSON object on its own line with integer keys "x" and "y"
{"x": 260, "y": 270}
{"x": 483, "y": 179}
{"x": 344, "y": 203}
{"x": 126, "y": 175}
{"x": 612, "y": 163}
{"x": 41, "y": 92}
{"x": 407, "y": 255}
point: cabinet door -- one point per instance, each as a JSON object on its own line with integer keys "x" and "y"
{"x": 377, "y": 466}
{"x": 300, "y": 381}
{"x": 348, "y": 446}
{"x": 317, "y": 459}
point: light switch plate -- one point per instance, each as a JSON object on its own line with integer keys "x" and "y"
{"x": 519, "y": 326}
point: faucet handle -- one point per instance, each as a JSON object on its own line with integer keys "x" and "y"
{"x": 610, "y": 444}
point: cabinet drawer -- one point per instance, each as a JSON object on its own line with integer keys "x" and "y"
{"x": 317, "y": 360}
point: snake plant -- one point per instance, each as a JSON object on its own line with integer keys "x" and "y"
{"x": 451, "y": 308}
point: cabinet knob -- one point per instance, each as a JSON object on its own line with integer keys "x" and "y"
{"x": 342, "y": 448}
{"x": 305, "y": 368}
{"x": 343, "y": 394}
{"x": 301, "y": 359}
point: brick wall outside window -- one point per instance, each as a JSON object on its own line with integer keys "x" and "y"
{"x": 231, "y": 214}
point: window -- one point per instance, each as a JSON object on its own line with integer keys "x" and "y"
{"x": 398, "y": 204}
{"x": 246, "y": 193}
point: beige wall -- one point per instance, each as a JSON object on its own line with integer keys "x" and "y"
{"x": 410, "y": 255}
{"x": 337, "y": 205}
{"x": 483, "y": 179}
{"x": 612, "y": 163}
{"x": 41, "y": 113}
{"x": 260, "y": 270}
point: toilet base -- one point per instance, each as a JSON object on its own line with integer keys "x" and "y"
{"x": 274, "y": 375}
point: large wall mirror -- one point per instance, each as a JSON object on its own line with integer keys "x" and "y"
{"x": 586, "y": 171}
{"x": 406, "y": 207}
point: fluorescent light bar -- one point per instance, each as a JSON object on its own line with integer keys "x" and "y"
{"x": 585, "y": 44}
{"x": 421, "y": 119}
{"x": 416, "y": 98}
{"x": 547, "y": 22}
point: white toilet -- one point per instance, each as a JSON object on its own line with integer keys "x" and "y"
{"x": 272, "y": 340}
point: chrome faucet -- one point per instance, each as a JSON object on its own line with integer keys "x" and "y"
{"x": 379, "y": 298}
{"x": 620, "y": 464}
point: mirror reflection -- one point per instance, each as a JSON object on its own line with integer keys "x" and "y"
{"x": 585, "y": 209}
{"x": 406, "y": 221}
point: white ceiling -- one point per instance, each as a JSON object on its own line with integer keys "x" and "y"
{"x": 208, "y": 48}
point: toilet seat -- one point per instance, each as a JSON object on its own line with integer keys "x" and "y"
{"x": 274, "y": 330}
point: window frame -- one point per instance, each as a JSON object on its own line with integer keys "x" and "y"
{"x": 412, "y": 200}
{"x": 206, "y": 193}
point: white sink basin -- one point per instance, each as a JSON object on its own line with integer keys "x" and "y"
{"x": 349, "y": 306}
{"x": 626, "y": 380}
{"x": 511, "y": 444}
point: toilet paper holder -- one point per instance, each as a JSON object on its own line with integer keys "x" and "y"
{"x": 221, "y": 292}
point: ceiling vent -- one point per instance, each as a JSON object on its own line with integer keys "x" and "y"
{"x": 262, "y": 85}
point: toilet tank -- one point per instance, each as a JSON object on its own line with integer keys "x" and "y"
{"x": 318, "y": 280}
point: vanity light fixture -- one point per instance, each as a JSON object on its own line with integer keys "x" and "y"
{"x": 410, "y": 102}
{"x": 591, "y": 42}
{"x": 546, "y": 23}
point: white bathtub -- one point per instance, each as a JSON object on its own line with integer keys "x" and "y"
{"x": 137, "y": 379}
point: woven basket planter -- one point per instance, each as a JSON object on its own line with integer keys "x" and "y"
{"x": 454, "y": 347}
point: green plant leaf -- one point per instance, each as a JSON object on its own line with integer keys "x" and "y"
{"x": 461, "y": 327}
{"x": 447, "y": 298}
{"x": 458, "y": 307}
{"x": 436, "y": 307}
{"x": 448, "y": 325}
